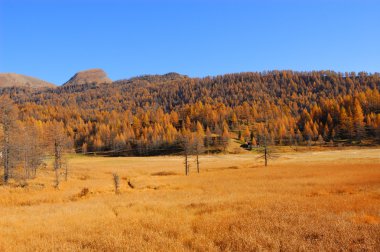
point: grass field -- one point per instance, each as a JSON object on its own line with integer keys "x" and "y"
{"x": 309, "y": 201}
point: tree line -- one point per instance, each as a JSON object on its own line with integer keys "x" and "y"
{"x": 150, "y": 115}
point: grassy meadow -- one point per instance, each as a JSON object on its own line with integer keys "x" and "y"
{"x": 303, "y": 201}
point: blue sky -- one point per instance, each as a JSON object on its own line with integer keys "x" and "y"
{"x": 54, "y": 39}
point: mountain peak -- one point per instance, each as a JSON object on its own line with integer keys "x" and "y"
{"x": 90, "y": 76}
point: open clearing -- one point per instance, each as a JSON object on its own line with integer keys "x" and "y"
{"x": 328, "y": 200}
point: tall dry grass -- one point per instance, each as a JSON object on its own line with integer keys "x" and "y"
{"x": 319, "y": 201}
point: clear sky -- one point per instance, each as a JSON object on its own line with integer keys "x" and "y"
{"x": 53, "y": 39}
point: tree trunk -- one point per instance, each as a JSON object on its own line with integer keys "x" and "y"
{"x": 266, "y": 155}
{"x": 6, "y": 154}
{"x": 186, "y": 164}
{"x": 197, "y": 162}
{"x": 57, "y": 157}
{"x": 66, "y": 171}
{"x": 26, "y": 165}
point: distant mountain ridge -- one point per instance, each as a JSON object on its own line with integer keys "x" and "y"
{"x": 19, "y": 80}
{"x": 91, "y": 78}
{"x": 94, "y": 76}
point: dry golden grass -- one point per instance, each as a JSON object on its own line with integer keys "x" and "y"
{"x": 314, "y": 201}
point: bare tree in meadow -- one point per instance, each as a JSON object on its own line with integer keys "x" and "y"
{"x": 198, "y": 147}
{"x": 266, "y": 138}
{"x": 116, "y": 182}
{"x": 8, "y": 117}
{"x": 265, "y": 152}
{"x": 59, "y": 144}
{"x": 187, "y": 146}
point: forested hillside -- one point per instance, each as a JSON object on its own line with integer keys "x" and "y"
{"x": 151, "y": 114}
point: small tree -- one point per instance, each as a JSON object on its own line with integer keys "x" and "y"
{"x": 224, "y": 139}
{"x": 358, "y": 120}
{"x": 320, "y": 140}
{"x": 246, "y": 134}
{"x": 116, "y": 182}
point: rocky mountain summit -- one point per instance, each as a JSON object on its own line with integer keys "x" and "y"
{"x": 91, "y": 76}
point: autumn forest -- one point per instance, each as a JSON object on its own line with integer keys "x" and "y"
{"x": 150, "y": 114}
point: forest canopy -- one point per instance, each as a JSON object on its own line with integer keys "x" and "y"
{"x": 150, "y": 114}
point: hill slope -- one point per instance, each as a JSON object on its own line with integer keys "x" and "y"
{"x": 19, "y": 80}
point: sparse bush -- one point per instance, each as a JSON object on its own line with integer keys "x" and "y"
{"x": 23, "y": 183}
{"x": 130, "y": 184}
{"x": 84, "y": 192}
{"x": 164, "y": 173}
